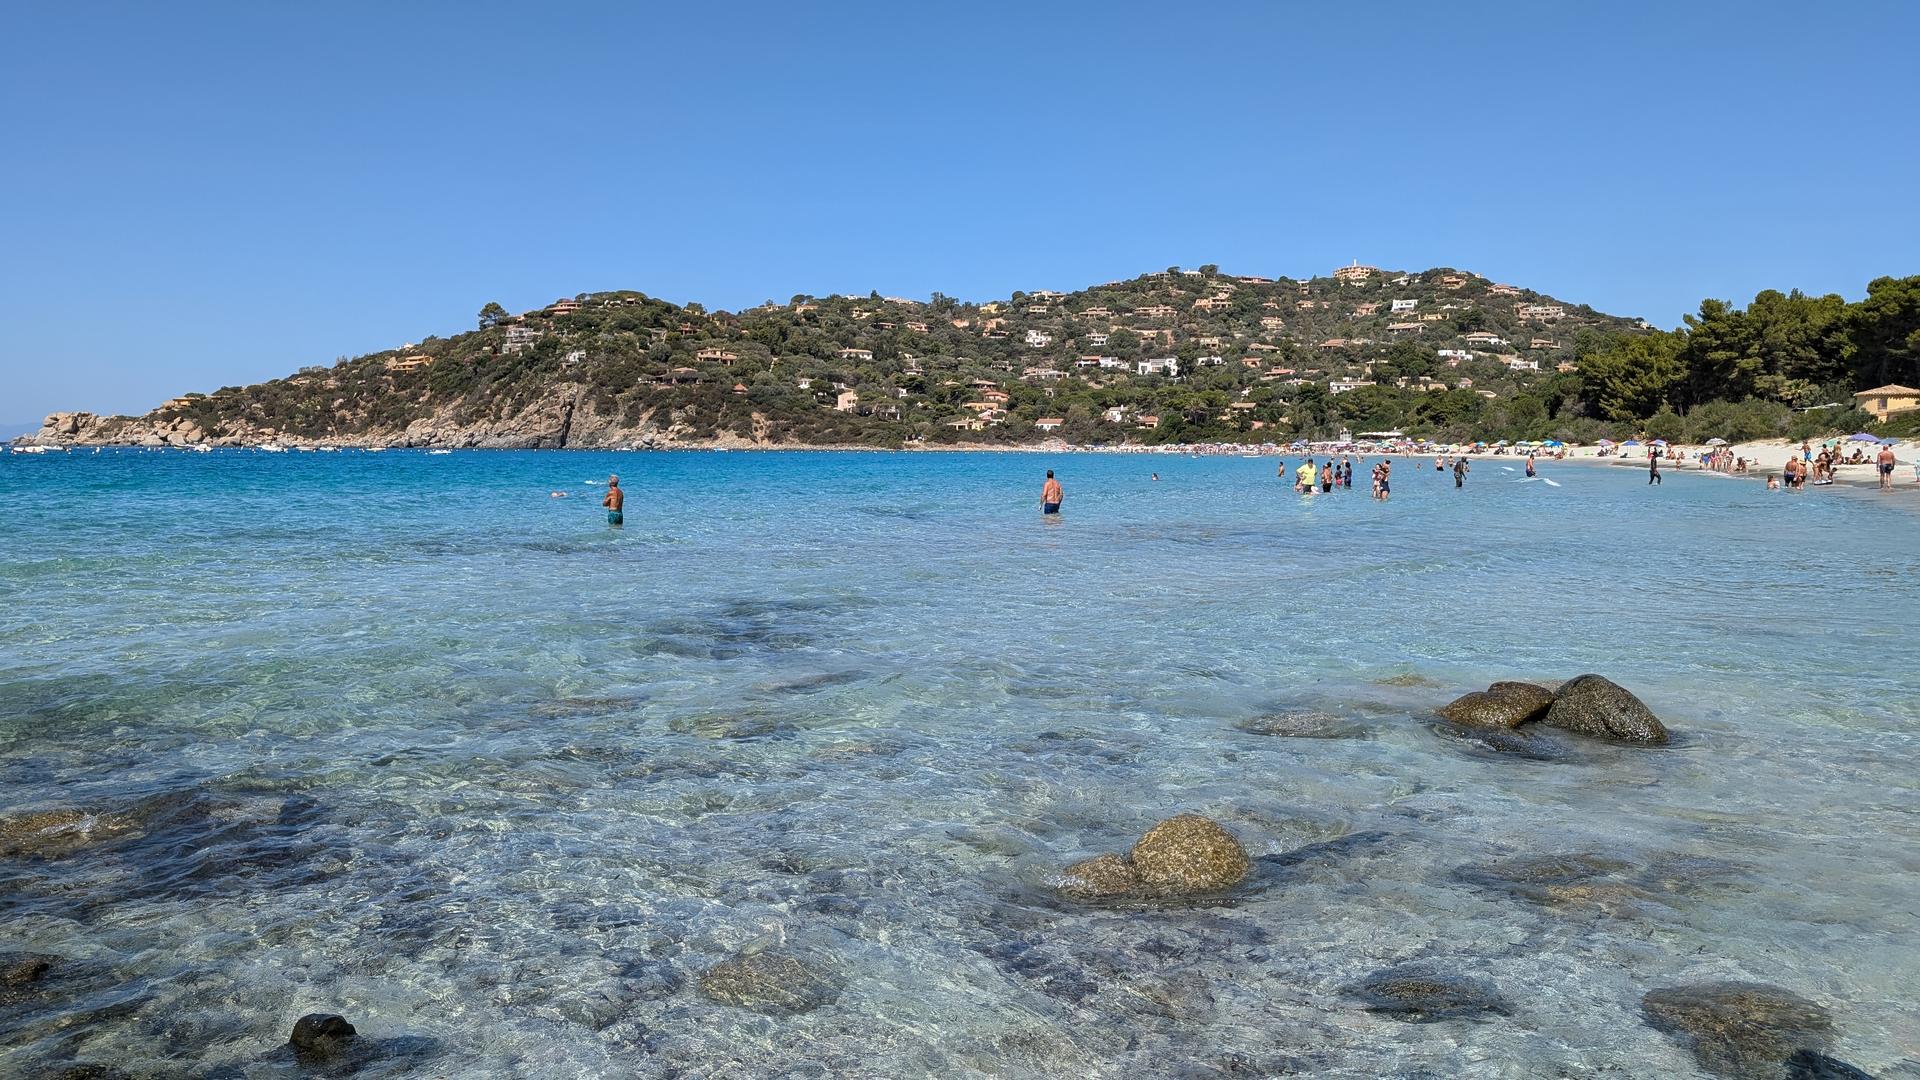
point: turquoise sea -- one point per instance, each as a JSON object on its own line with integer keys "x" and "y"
{"x": 406, "y": 738}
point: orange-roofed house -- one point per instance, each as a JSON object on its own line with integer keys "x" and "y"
{"x": 1892, "y": 399}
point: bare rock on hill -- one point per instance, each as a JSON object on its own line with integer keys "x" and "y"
{"x": 1596, "y": 706}
{"x": 1504, "y": 704}
{"x": 1739, "y": 1029}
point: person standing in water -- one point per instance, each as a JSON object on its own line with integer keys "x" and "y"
{"x": 1530, "y": 473}
{"x": 1326, "y": 476}
{"x": 1050, "y": 495}
{"x": 614, "y": 501}
{"x": 1459, "y": 472}
{"x": 1303, "y": 479}
{"x": 1653, "y": 467}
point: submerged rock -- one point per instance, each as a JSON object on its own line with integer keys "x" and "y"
{"x": 1185, "y": 855}
{"x": 749, "y": 726}
{"x": 1813, "y": 1065}
{"x": 1101, "y": 876}
{"x": 1188, "y": 853}
{"x": 1739, "y": 1029}
{"x": 1504, "y": 704}
{"x": 1596, "y": 706}
{"x": 1549, "y": 878}
{"x": 775, "y": 982}
{"x": 22, "y": 969}
{"x": 322, "y": 1037}
{"x": 1408, "y": 679}
{"x": 1531, "y": 743}
{"x": 1417, "y": 993}
{"x": 51, "y": 834}
{"x": 1300, "y": 724}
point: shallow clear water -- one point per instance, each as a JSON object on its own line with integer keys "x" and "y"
{"x": 403, "y": 737}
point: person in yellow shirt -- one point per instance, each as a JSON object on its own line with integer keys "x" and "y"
{"x": 1303, "y": 479}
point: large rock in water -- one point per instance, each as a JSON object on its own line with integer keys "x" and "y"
{"x": 1596, "y": 706}
{"x": 1184, "y": 855}
{"x": 1738, "y": 1029}
{"x": 1504, "y": 704}
{"x": 1188, "y": 853}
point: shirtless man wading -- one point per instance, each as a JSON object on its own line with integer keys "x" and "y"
{"x": 614, "y": 501}
{"x": 1050, "y": 495}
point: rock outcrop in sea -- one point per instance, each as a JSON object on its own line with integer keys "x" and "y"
{"x": 1185, "y": 855}
{"x": 1589, "y": 705}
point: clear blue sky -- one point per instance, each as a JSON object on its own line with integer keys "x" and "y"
{"x": 201, "y": 194}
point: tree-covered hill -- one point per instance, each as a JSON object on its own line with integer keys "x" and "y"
{"x": 1178, "y": 355}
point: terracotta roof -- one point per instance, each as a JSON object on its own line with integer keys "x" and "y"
{"x": 1890, "y": 390}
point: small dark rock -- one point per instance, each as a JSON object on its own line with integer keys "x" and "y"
{"x": 20, "y": 969}
{"x": 1813, "y": 1065}
{"x": 1504, "y": 704}
{"x": 1416, "y": 993}
{"x": 1737, "y": 1029}
{"x": 775, "y": 982}
{"x": 1598, "y": 707}
{"x": 321, "y": 1036}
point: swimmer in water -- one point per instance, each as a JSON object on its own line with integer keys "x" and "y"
{"x": 1156, "y": 476}
{"x": 615, "y": 500}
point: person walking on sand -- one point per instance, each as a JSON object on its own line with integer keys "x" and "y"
{"x": 1050, "y": 495}
{"x": 1885, "y": 460}
{"x": 614, "y": 501}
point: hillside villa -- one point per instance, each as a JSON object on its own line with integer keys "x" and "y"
{"x": 1886, "y": 401}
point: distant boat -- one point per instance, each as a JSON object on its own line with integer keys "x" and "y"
{"x": 201, "y": 448}
{"x": 271, "y": 448}
{"x": 30, "y": 449}
{"x": 376, "y": 449}
{"x": 432, "y": 453}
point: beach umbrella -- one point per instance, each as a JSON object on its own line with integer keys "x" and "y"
{"x": 1716, "y": 442}
{"x": 1659, "y": 442}
{"x": 1863, "y": 437}
{"x": 1608, "y": 442}
{"x": 1631, "y": 442}
{"x": 1553, "y": 442}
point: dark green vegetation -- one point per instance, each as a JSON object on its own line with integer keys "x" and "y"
{"x": 1258, "y": 360}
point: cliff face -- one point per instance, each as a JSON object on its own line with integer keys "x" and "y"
{"x": 560, "y": 418}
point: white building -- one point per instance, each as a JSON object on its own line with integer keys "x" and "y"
{"x": 1403, "y": 305}
{"x": 1165, "y": 365}
{"x": 1038, "y": 340}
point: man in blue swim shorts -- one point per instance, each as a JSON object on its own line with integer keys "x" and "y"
{"x": 614, "y": 501}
